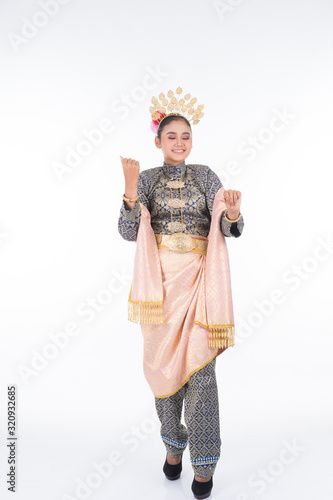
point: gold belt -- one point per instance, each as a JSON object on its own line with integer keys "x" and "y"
{"x": 181, "y": 243}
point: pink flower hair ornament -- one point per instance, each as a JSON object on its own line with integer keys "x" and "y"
{"x": 155, "y": 123}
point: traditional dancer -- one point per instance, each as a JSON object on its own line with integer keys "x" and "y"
{"x": 179, "y": 215}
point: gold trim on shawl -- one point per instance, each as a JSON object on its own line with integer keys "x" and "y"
{"x": 144, "y": 312}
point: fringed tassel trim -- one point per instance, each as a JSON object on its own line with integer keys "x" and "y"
{"x": 145, "y": 312}
{"x": 220, "y": 336}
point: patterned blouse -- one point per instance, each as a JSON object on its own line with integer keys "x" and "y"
{"x": 201, "y": 185}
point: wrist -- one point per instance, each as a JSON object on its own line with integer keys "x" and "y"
{"x": 130, "y": 199}
{"x": 233, "y": 215}
{"x": 130, "y": 191}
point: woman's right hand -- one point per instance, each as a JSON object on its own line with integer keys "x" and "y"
{"x": 131, "y": 170}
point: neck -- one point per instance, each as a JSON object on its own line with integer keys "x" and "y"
{"x": 173, "y": 163}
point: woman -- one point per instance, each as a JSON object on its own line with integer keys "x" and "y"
{"x": 179, "y": 215}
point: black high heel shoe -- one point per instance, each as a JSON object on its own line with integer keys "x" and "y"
{"x": 172, "y": 472}
{"x": 202, "y": 490}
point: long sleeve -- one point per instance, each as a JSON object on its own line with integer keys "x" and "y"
{"x": 129, "y": 220}
{"x": 228, "y": 228}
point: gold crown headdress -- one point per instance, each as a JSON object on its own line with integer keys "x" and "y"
{"x": 174, "y": 107}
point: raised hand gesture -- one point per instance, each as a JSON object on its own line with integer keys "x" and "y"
{"x": 232, "y": 199}
{"x": 131, "y": 170}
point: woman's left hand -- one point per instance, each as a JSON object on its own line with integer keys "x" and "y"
{"x": 232, "y": 199}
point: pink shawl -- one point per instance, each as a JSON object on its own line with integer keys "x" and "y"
{"x": 215, "y": 309}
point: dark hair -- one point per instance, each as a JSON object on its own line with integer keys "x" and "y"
{"x": 168, "y": 120}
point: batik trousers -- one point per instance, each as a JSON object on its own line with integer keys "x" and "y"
{"x": 201, "y": 415}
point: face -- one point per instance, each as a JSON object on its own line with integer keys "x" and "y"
{"x": 175, "y": 142}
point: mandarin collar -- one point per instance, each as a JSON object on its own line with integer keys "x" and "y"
{"x": 175, "y": 172}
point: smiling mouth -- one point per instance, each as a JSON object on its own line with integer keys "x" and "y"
{"x": 178, "y": 150}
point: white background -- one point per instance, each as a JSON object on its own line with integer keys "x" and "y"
{"x": 60, "y": 248}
